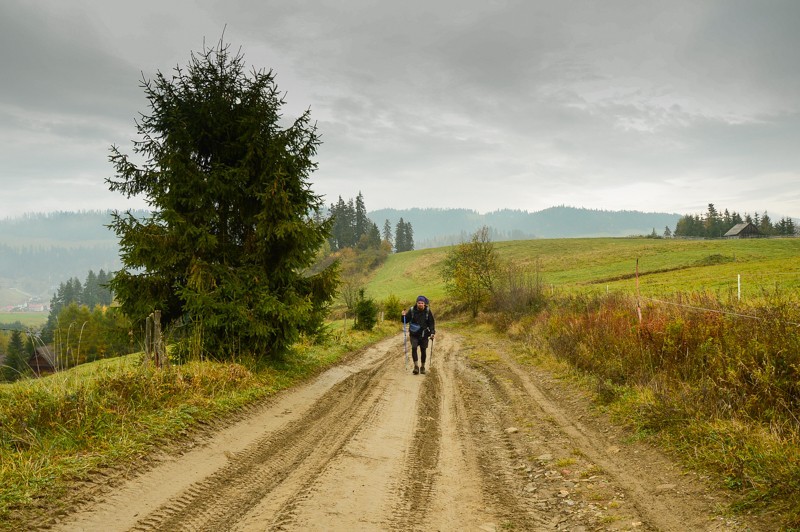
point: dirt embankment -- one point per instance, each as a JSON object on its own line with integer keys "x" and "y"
{"x": 367, "y": 446}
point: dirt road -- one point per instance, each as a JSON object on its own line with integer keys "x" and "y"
{"x": 478, "y": 443}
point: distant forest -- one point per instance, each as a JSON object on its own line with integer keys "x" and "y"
{"x": 715, "y": 223}
{"x": 39, "y": 251}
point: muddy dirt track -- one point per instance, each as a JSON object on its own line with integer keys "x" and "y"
{"x": 471, "y": 445}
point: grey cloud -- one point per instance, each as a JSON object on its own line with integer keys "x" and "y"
{"x": 546, "y": 100}
{"x": 55, "y": 65}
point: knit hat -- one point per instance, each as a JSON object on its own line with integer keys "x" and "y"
{"x": 423, "y": 299}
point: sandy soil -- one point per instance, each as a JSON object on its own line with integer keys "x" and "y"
{"x": 369, "y": 446}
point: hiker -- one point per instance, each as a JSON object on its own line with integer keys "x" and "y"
{"x": 421, "y": 326}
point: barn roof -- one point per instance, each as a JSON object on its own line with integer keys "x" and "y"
{"x": 738, "y": 228}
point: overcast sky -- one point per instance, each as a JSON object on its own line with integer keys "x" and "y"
{"x": 483, "y": 104}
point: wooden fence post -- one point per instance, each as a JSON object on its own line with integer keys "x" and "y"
{"x": 148, "y": 339}
{"x": 638, "y": 299}
{"x": 162, "y": 361}
{"x": 154, "y": 348}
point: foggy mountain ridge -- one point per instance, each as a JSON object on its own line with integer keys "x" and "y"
{"x": 442, "y": 227}
{"x": 89, "y": 228}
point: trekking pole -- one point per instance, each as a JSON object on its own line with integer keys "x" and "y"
{"x": 430, "y": 361}
{"x": 405, "y": 352}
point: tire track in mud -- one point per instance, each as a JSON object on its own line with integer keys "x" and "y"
{"x": 415, "y": 487}
{"x": 552, "y": 476}
{"x": 555, "y": 472}
{"x": 485, "y": 406}
{"x": 632, "y": 495}
{"x": 301, "y": 450}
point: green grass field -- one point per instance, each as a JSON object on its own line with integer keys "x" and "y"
{"x": 29, "y": 319}
{"x": 590, "y": 265}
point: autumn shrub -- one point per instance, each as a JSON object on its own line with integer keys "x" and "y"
{"x": 742, "y": 360}
{"x": 516, "y": 292}
{"x": 594, "y": 337}
{"x": 391, "y": 307}
{"x": 366, "y": 314}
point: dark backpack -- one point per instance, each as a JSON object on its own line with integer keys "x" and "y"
{"x": 415, "y": 329}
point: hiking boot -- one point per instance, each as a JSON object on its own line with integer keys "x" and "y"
{"x": 416, "y": 370}
{"x": 422, "y": 370}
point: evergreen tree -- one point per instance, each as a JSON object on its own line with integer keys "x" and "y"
{"x": 105, "y": 296}
{"x": 91, "y": 290}
{"x": 713, "y": 222}
{"x": 362, "y": 222}
{"x": 400, "y": 236}
{"x": 727, "y": 220}
{"x": 765, "y": 226}
{"x": 351, "y": 225}
{"x": 66, "y": 294}
{"x": 371, "y": 239}
{"x": 73, "y": 292}
{"x": 343, "y": 232}
{"x": 231, "y": 231}
{"x": 409, "y": 237}
{"x": 785, "y": 227}
{"x": 387, "y": 232}
{"x": 16, "y": 365}
{"x": 351, "y": 236}
{"x": 690, "y": 225}
{"x": 403, "y": 237}
{"x": 366, "y": 312}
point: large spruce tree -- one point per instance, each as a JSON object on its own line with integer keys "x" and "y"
{"x": 233, "y": 224}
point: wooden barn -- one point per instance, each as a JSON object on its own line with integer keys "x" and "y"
{"x": 743, "y": 230}
{"x": 42, "y": 362}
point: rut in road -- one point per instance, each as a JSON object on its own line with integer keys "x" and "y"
{"x": 297, "y": 453}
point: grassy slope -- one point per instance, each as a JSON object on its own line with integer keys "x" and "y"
{"x": 29, "y": 319}
{"x": 599, "y": 264}
{"x": 407, "y": 275}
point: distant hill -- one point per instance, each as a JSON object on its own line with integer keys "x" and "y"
{"x": 441, "y": 227}
{"x": 40, "y": 251}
